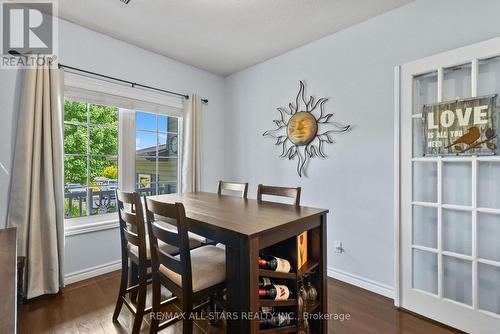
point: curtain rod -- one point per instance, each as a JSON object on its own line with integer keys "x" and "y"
{"x": 133, "y": 84}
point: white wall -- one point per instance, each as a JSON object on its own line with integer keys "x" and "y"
{"x": 80, "y": 47}
{"x": 354, "y": 68}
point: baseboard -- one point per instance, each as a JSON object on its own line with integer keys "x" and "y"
{"x": 364, "y": 283}
{"x": 92, "y": 272}
{"x": 361, "y": 282}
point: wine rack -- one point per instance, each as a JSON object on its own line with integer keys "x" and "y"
{"x": 287, "y": 249}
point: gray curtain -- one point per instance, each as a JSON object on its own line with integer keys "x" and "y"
{"x": 191, "y": 160}
{"x": 36, "y": 204}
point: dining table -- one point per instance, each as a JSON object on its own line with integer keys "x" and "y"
{"x": 245, "y": 227}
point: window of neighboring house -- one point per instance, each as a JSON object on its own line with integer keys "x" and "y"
{"x": 90, "y": 158}
{"x": 156, "y": 153}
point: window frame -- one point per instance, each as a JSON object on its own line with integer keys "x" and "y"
{"x": 166, "y": 105}
{"x": 88, "y": 155}
{"x": 126, "y": 124}
{"x": 157, "y": 132}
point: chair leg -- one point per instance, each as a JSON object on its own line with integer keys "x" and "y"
{"x": 134, "y": 279}
{"x": 156, "y": 306}
{"x": 187, "y": 322}
{"x": 212, "y": 308}
{"x": 141, "y": 304}
{"x": 123, "y": 289}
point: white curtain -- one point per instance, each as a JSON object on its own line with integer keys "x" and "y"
{"x": 36, "y": 204}
{"x": 191, "y": 160}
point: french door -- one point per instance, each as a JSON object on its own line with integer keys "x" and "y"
{"x": 450, "y": 205}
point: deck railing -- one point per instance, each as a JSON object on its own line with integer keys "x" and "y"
{"x": 102, "y": 201}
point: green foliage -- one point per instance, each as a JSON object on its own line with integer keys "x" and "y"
{"x": 75, "y": 111}
{"x": 111, "y": 172}
{"x": 103, "y": 141}
{"x": 75, "y": 210}
{"x": 103, "y": 115}
{"x": 75, "y": 169}
{"x": 98, "y": 165}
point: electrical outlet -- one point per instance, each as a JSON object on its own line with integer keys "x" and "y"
{"x": 339, "y": 248}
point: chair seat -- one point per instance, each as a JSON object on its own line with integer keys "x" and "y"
{"x": 208, "y": 266}
{"x": 194, "y": 241}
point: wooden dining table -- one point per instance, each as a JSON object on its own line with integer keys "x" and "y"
{"x": 246, "y": 226}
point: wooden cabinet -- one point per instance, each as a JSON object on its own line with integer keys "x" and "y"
{"x": 8, "y": 274}
{"x": 287, "y": 249}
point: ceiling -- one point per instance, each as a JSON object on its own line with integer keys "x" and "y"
{"x": 221, "y": 36}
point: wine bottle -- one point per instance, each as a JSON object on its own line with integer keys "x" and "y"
{"x": 276, "y": 292}
{"x": 274, "y": 263}
{"x": 277, "y": 320}
{"x": 265, "y": 282}
{"x": 266, "y": 309}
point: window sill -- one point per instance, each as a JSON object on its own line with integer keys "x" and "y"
{"x": 82, "y": 225}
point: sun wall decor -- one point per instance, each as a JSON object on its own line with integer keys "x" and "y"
{"x": 300, "y": 132}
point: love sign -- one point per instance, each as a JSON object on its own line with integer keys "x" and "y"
{"x": 461, "y": 127}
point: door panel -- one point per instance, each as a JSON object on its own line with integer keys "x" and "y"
{"x": 450, "y": 205}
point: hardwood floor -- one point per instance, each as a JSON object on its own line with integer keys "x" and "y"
{"x": 87, "y": 307}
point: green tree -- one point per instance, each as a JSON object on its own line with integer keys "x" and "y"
{"x": 111, "y": 172}
{"x": 101, "y": 136}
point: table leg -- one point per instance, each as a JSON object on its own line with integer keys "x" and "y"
{"x": 242, "y": 283}
{"x": 324, "y": 283}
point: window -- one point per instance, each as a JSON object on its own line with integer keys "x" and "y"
{"x": 91, "y": 152}
{"x": 90, "y": 158}
{"x": 156, "y": 155}
{"x": 116, "y": 136}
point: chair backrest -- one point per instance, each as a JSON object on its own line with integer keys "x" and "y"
{"x": 241, "y": 188}
{"x": 178, "y": 239}
{"x": 132, "y": 226}
{"x": 279, "y": 191}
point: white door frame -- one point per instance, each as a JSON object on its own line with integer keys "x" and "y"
{"x": 397, "y": 184}
{"x": 403, "y": 91}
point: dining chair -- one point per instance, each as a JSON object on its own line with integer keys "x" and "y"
{"x": 241, "y": 189}
{"x": 133, "y": 246}
{"x": 194, "y": 275}
{"x": 289, "y": 192}
{"x": 136, "y": 257}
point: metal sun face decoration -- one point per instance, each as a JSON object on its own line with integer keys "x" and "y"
{"x": 298, "y": 128}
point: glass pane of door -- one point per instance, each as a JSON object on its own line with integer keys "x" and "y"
{"x": 457, "y": 231}
{"x": 425, "y": 182}
{"x": 425, "y": 271}
{"x": 424, "y": 90}
{"x": 488, "y": 236}
{"x": 489, "y": 186}
{"x": 457, "y": 82}
{"x": 425, "y": 226}
{"x": 489, "y": 288}
{"x": 457, "y": 183}
{"x": 457, "y": 279}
